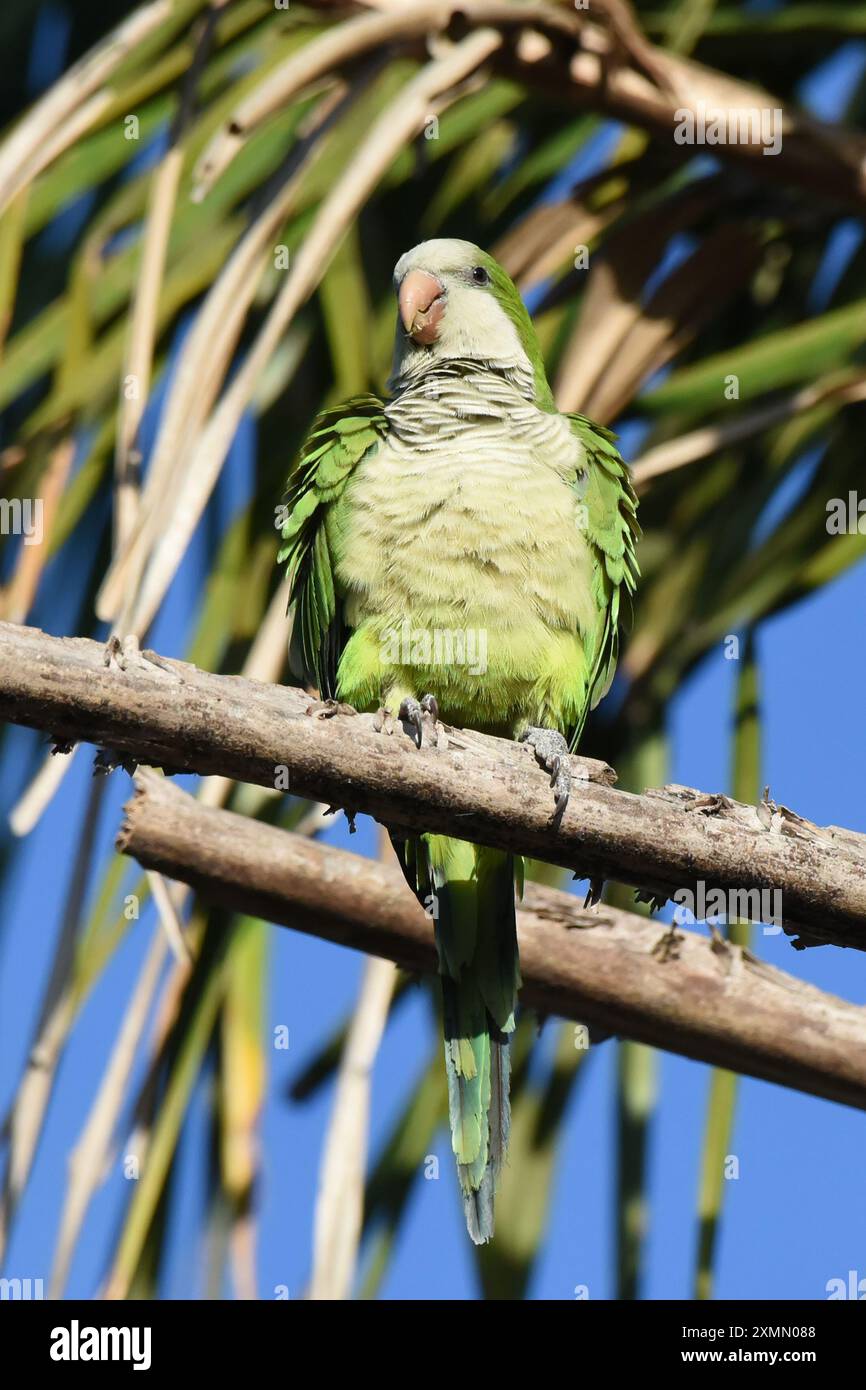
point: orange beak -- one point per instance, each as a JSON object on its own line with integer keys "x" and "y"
{"x": 422, "y": 304}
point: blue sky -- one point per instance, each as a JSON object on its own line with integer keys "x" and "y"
{"x": 794, "y": 1219}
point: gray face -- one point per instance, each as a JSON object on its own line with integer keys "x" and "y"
{"x": 448, "y": 309}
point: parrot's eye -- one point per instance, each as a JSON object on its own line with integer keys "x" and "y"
{"x": 480, "y": 276}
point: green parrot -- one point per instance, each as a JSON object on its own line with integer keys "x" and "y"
{"x": 459, "y": 550}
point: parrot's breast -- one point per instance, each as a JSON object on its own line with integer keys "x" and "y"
{"x": 460, "y": 546}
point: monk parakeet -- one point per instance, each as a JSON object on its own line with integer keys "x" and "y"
{"x": 459, "y": 551}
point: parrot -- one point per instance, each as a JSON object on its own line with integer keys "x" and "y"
{"x": 461, "y": 552}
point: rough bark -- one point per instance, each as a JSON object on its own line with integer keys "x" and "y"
{"x": 168, "y": 713}
{"x": 600, "y": 967}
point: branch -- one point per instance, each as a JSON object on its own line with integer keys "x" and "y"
{"x": 598, "y": 59}
{"x": 601, "y": 967}
{"x": 170, "y": 714}
{"x": 599, "y": 73}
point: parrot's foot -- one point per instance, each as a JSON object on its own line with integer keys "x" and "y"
{"x": 118, "y": 651}
{"x": 551, "y": 750}
{"x": 125, "y": 651}
{"x": 413, "y": 712}
{"x": 326, "y": 709}
{"x": 383, "y": 721}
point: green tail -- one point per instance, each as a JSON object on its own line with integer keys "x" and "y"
{"x": 470, "y": 891}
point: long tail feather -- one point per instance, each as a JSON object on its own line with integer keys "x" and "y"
{"x": 470, "y": 890}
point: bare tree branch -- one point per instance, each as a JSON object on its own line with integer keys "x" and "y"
{"x": 598, "y": 59}
{"x": 595, "y": 58}
{"x": 489, "y": 790}
{"x": 708, "y": 1000}
{"x": 596, "y": 72}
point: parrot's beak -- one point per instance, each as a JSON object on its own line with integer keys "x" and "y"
{"x": 422, "y": 304}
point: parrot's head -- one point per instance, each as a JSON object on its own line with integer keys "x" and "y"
{"x": 456, "y": 302}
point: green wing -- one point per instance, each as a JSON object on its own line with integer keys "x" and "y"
{"x": 337, "y": 442}
{"x": 612, "y": 529}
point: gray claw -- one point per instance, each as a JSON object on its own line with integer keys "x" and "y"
{"x": 551, "y": 751}
{"x": 410, "y": 712}
{"x": 114, "y": 652}
{"x": 383, "y": 721}
{"x": 417, "y": 712}
{"x": 124, "y": 652}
